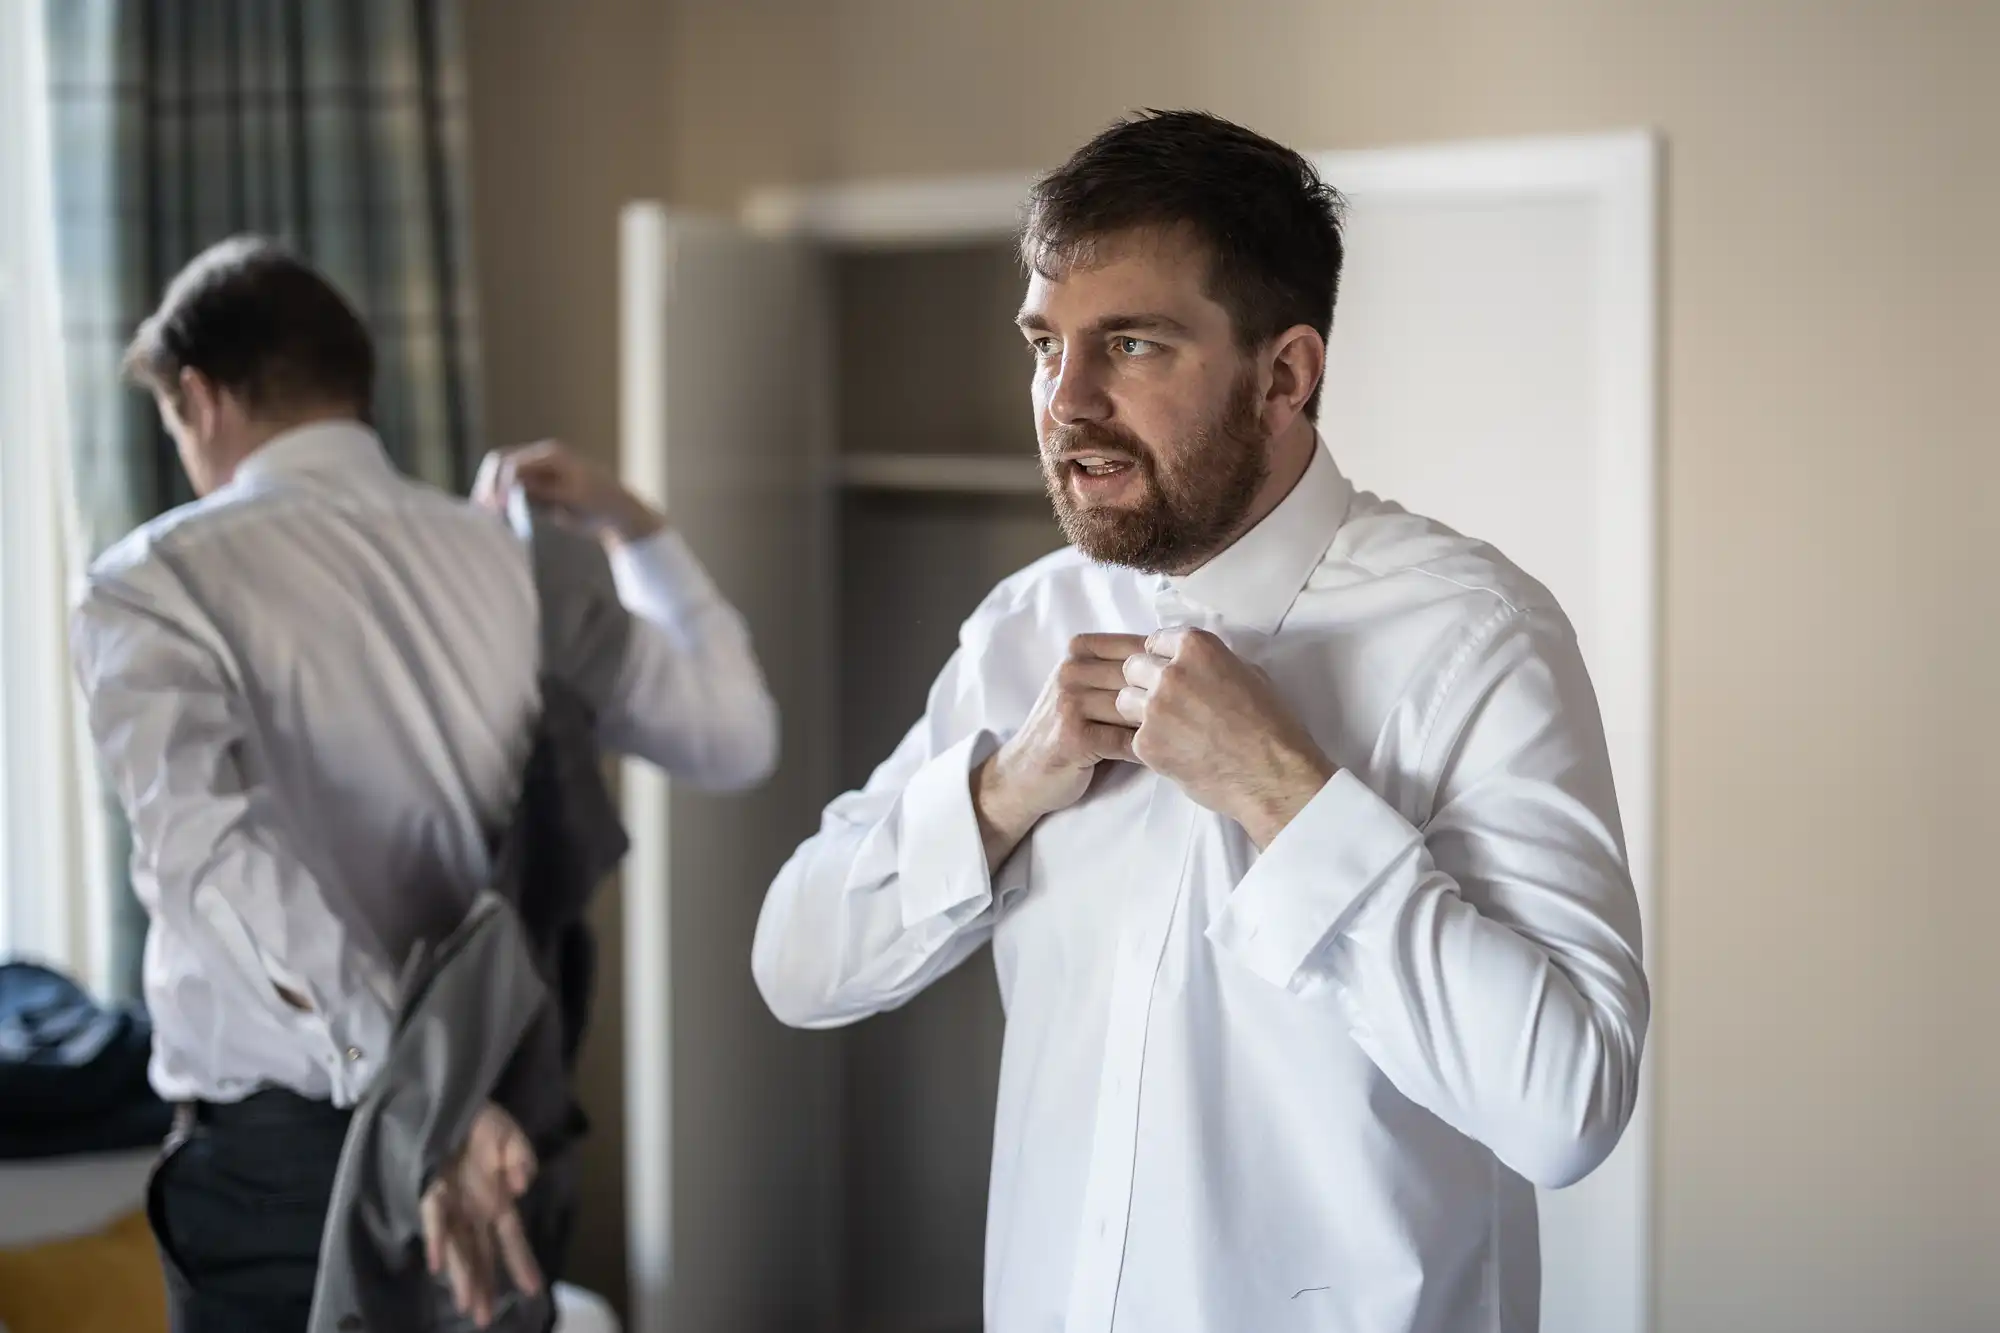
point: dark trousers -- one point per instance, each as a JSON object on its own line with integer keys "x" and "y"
{"x": 237, "y": 1204}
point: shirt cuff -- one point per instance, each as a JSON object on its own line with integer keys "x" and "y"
{"x": 1312, "y": 879}
{"x": 659, "y": 577}
{"x": 941, "y": 857}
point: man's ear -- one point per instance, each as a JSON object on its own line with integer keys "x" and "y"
{"x": 197, "y": 401}
{"x": 1298, "y": 359}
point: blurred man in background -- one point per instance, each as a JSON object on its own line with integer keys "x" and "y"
{"x": 314, "y": 689}
{"x": 1288, "y": 814}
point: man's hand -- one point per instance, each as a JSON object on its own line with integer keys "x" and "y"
{"x": 468, "y": 1215}
{"x": 553, "y": 474}
{"x": 1215, "y": 726}
{"x": 1048, "y": 763}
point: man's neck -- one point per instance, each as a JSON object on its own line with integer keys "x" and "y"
{"x": 1291, "y": 455}
{"x": 260, "y": 431}
{"x": 263, "y": 430}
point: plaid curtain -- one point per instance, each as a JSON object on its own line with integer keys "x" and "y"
{"x": 336, "y": 126}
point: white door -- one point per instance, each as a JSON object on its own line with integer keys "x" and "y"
{"x": 1491, "y": 366}
{"x": 730, "y": 1119}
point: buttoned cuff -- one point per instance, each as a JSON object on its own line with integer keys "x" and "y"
{"x": 941, "y": 857}
{"x": 660, "y": 578}
{"x": 1344, "y": 845}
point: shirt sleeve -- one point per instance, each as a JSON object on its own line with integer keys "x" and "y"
{"x": 165, "y": 714}
{"x": 690, "y": 696}
{"x": 893, "y": 891}
{"x": 1489, "y": 962}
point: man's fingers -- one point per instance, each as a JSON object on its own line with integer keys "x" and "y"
{"x": 1112, "y": 742}
{"x": 543, "y": 477}
{"x": 1101, "y": 706}
{"x": 542, "y": 469}
{"x": 1096, "y": 684}
{"x": 1106, "y": 647}
{"x": 1132, "y": 705}
{"x": 432, "y": 1211}
{"x": 1092, "y": 673}
{"x": 516, "y": 1253}
{"x": 1171, "y": 643}
{"x": 517, "y": 1164}
{"x": 1143, "y": 670}
{"x": 458, "y": 1276}
{"x": 479, "y": 1246}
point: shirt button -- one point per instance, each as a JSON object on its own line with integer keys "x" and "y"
{"x": 353, "y": 1054}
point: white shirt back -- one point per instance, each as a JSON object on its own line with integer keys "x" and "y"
{"x": 315, "y": 691}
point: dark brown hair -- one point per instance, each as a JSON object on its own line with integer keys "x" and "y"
{"x": 1270, "y": 224}
{"x": 260, "y": 323}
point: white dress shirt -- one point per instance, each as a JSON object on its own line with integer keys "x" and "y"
{"x": 1302, "y": 1090}
{"x": 314, "y": 692}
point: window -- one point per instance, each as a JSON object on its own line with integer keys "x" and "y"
{"x": 44, "y": 904}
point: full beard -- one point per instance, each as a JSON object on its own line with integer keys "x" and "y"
{"x": 1197, "y": 490}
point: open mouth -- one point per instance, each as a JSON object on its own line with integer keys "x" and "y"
{"x": 1098, "y": 465}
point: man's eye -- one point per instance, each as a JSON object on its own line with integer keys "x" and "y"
{"x": 1043, "y": 346}
{"x": 1135, "y": 346}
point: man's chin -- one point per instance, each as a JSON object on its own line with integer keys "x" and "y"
{"x": 1128, "y": 544}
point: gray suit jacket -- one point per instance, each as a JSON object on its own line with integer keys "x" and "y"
{"x": 496, "y": 1010}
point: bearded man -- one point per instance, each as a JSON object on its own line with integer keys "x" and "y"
{"x": 1288, "y": 815}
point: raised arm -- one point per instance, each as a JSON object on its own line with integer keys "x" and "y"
{"x": 1489, "y": 962}
{"x": 687, "y": 692}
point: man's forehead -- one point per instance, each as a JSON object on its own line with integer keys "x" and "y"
{"x": 1155, "y": 267}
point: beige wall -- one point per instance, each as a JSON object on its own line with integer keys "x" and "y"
{"x": 1830, "y": 1109}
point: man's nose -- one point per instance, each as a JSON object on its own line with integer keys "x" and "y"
{"x": 1078, "y": 393}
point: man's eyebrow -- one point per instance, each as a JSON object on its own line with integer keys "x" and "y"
{"x": 1142, "y": 322}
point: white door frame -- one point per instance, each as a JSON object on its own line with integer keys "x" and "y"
{"x": 644, "y": 263}
{"x": 1617, "y": 175}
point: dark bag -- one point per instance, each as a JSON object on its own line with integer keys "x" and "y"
{"x": 72, "y": 1072}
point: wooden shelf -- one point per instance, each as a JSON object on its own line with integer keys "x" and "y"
{"x": 961, "y": 474}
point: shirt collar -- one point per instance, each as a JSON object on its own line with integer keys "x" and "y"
{"x": 318, "y": 449}
{"x": 1254, "y": 581}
